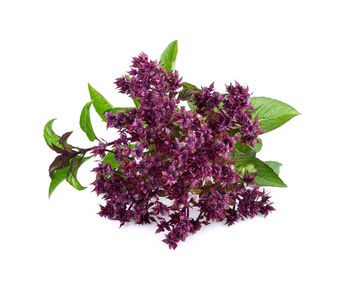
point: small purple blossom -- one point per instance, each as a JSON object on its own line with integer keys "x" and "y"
{"x": 100, "y": 150}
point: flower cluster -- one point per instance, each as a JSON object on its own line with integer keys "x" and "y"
{"x": 174, "y": 167}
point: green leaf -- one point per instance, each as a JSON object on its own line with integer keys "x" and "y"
{"x": 247, "y": 149}
{"x": 271, "y": 113}
{"x": 191, "y": 105}
{"x": 109, "y": 158}
{"x": 185, "y": 94}
{"x": 248, "y": 168}
{"x": 100, "y": 103}
{"x": 57, "y": 178}
{"x": 232, "y": 132}
{"x": 63, "y": 141}
{"x": 59, "y": 162}
{"x": 168, "y": 56}
{"x": 121, "y": 109}
{"x": 60, "y": 175}
{"x": 73, "y": 170}
{"x": 258, "y": 146}
{"x": 85, "y": 122}
{"x": 136, "y": 101}
{"x": 187, "y": 91}
{"x": 274, "y": 165}
{"x": 49, "y": 136}
{"x": 266, "y": 176}
{"x": 190, "y": 86}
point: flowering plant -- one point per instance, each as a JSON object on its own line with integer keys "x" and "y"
{"x": 180, "y": 168}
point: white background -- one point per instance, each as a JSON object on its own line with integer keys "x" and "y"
{"x": 294, "y": 51}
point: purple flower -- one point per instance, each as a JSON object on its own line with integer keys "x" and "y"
{"x": 138, "y": 150}
{"x": 181, "y": 156}
{"x": 170, "y": 176}
{"x": 100, "y": 150}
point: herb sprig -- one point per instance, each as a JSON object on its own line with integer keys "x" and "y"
{"x": 167, "y": 160}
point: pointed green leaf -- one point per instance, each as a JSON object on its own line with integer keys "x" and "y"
{"x": 85, "y": 122}
{"x": 168, "y": 56}
{"x": 49, "y": 136}
{"x": 73, "y": 170}
{"x": 271, "y": 113}
{"x": 247, "y": 149}
{"x": 57, "y": 178}
{"x": 136, "y": 101}
{"x": 190, "y": 86}
{"x": 265, "y": 176}
{"x": 274, "y": 165}
{"x": 55, "y": 142}
{"x": 60, "y": 175}
{"x": 100, "y": 103}
{"x": 109, "y": 158}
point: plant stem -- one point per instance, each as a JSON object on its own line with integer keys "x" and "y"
{"x": 85, "y": 150}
